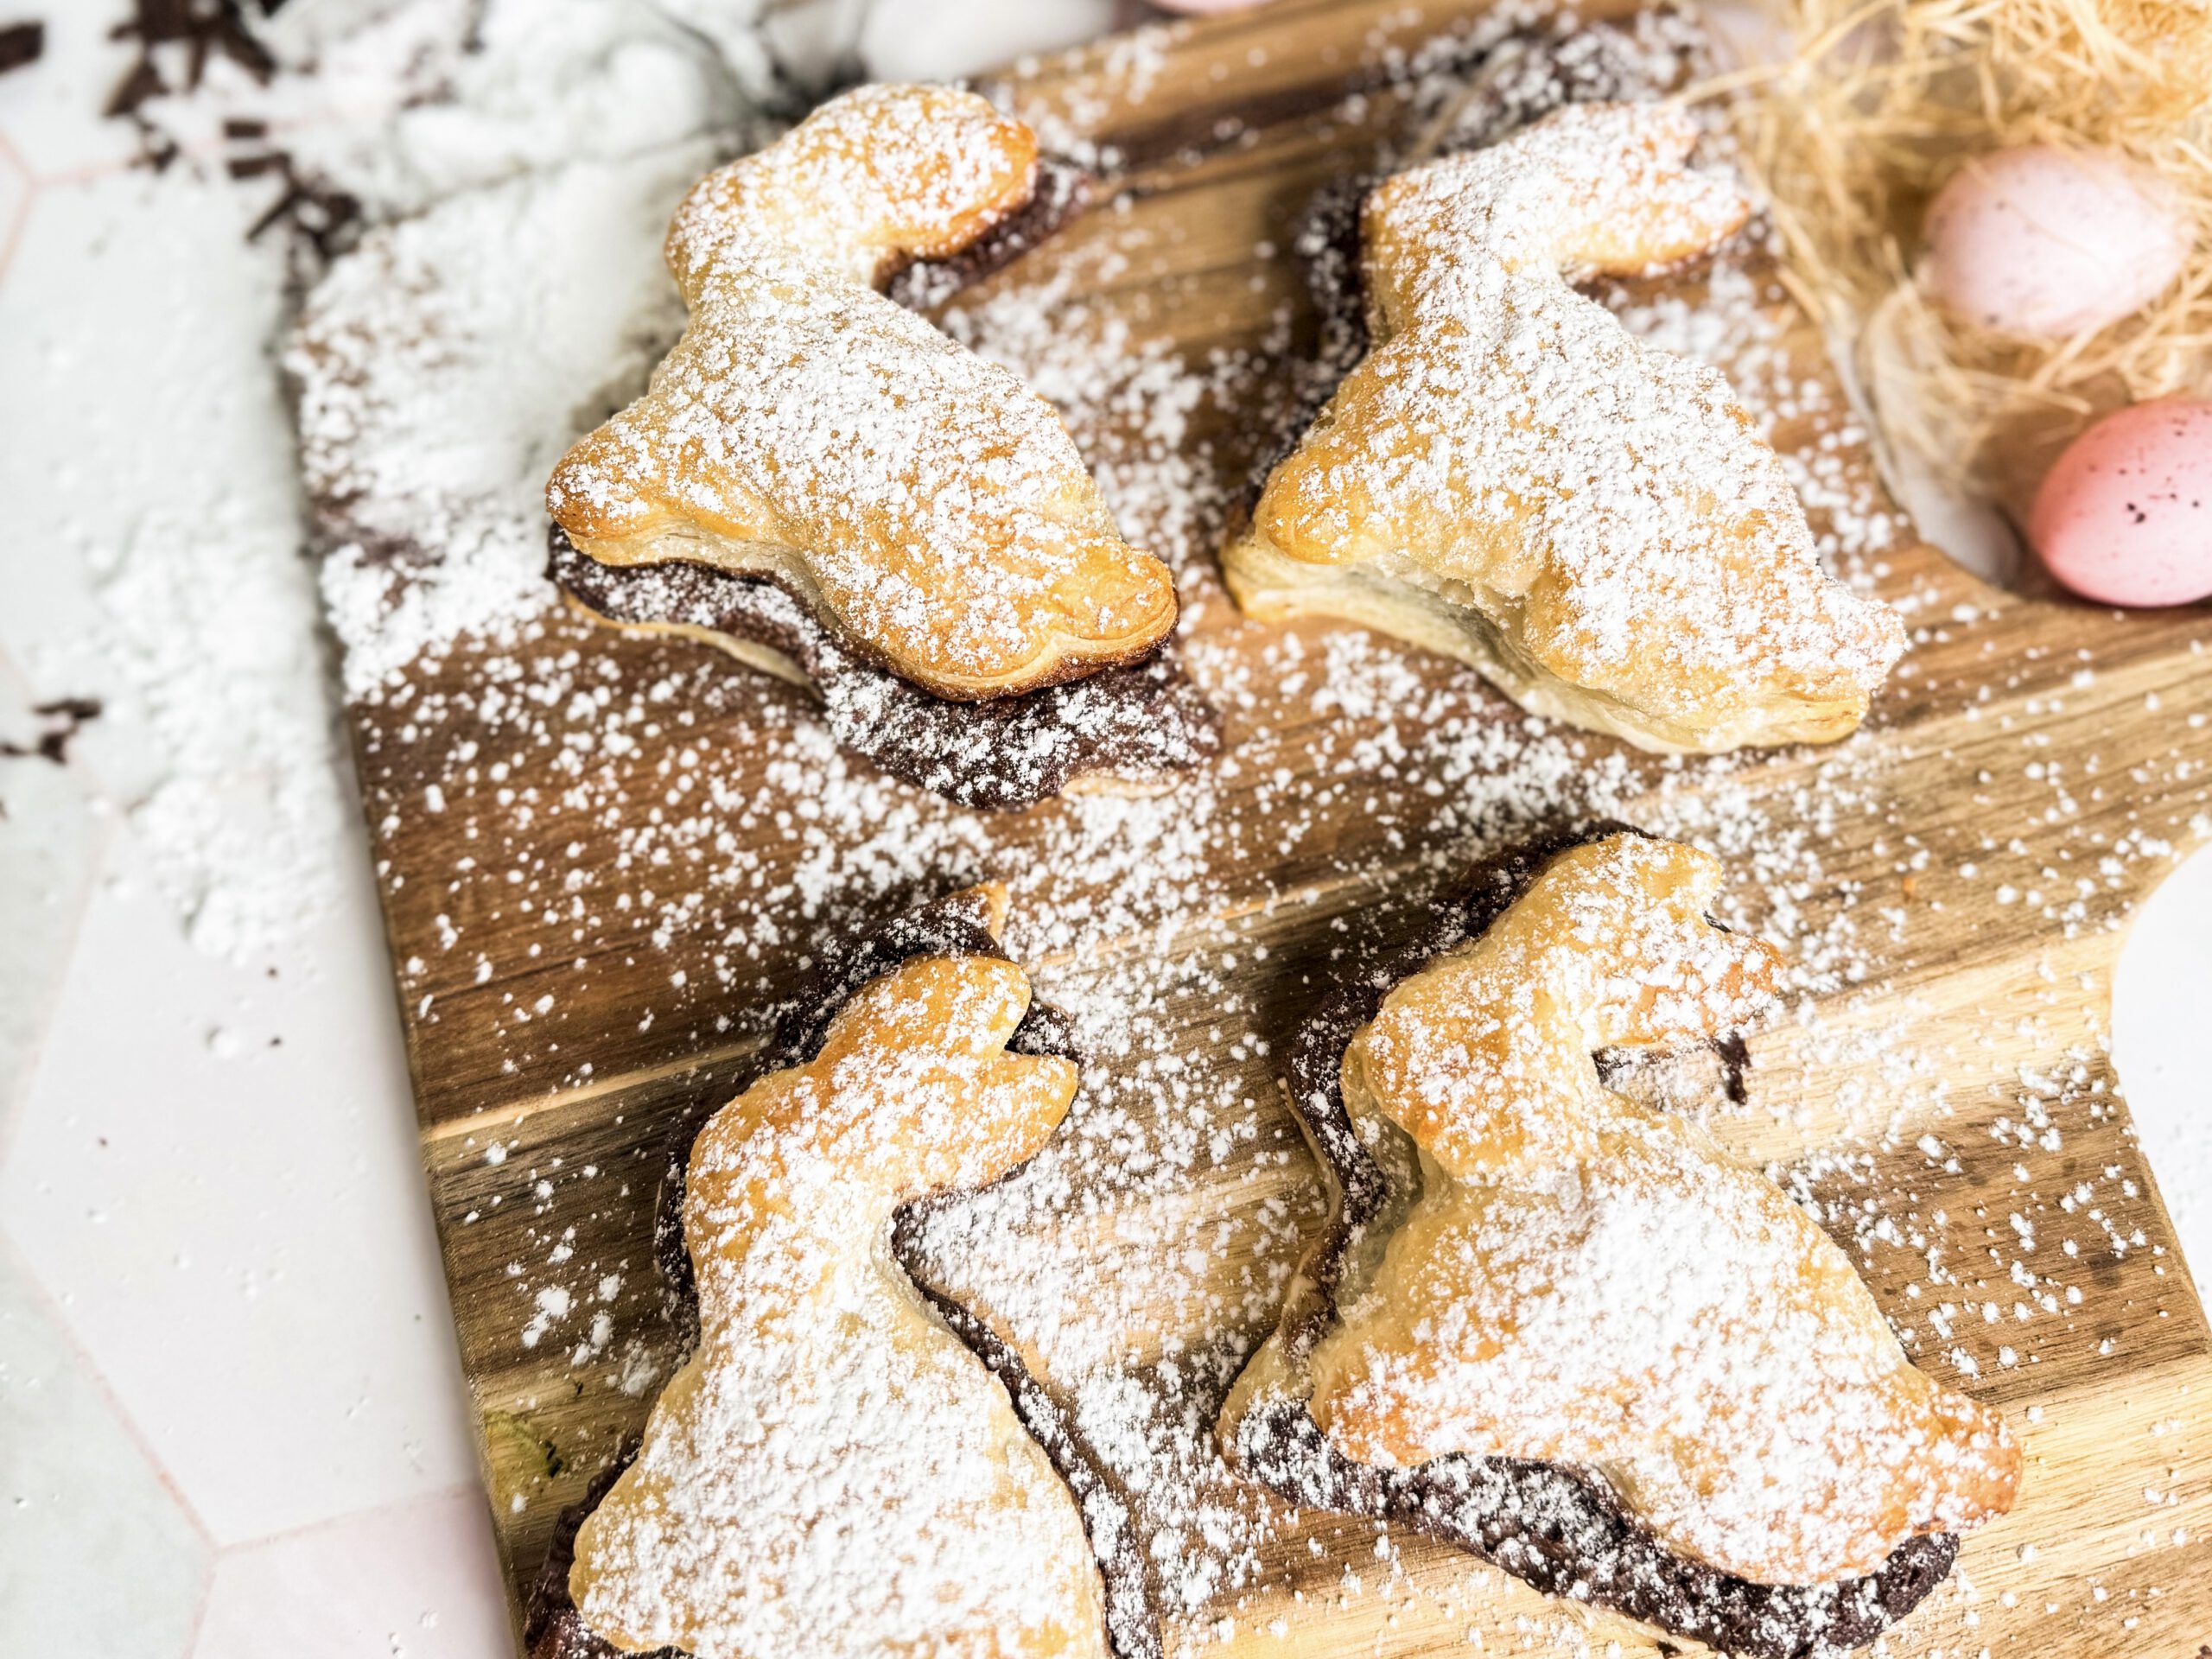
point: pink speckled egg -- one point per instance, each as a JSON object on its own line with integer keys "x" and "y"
{"x": 2043, "y": 242}
{"x": 2125, "y": 516}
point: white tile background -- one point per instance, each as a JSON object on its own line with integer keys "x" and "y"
{"x": 231, "y": 1419}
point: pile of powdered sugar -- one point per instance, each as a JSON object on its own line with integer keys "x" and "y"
{"x": 532, "y": 149}
{"x": 198, "y": 629}
{"x": 221, "y": 744}
{"x": 442, "y": 368}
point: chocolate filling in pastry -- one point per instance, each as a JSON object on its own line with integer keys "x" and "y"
{"x": 1122, "y": 730}
{"x": 954, "y": 925}
{"x": 1061, "y": 192}
{"x": 930, "y": 512}
{"x": 1121, "y": 727}
{"x": 1550, "y": 1525}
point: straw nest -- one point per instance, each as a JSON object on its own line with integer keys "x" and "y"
{"x": 1879, "y": 102}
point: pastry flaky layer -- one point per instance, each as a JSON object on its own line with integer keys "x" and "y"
{"x": 1509, "y": 476}
{"x": 805, "y": 427}
{"x": 1568, "y": 1277}
{"x": 832, "y": 1472}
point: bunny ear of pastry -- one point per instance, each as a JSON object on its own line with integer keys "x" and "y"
{"x": 870, "y": 180}
{"x": 832, "y": 1470}
{"x": 1586, "y": 1282}
{"x": 1510, "y": 477}
{"x": 917, "y": 499}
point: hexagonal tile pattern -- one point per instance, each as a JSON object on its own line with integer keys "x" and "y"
{"x": 50, "y": 843}
{"x": 16, "y": 190}
{"x": 94, "y": 1550}
{"x": 408, "y": 1581}
{"x": 233, "y": 1221}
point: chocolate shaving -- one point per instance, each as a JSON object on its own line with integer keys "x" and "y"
{"x": 1735, "y": 1066}
{"x": 68, "y": 716}
{"x": 955, "y": 925}
{"x": 325, "y": 215}
{"x": 1134, "y": 722}
{"x": 21, "y": 44}
{"x": 1557, "y": 1527}
{"x": 322, "y": 215}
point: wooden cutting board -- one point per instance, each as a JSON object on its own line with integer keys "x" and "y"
{"x": 586, "y": 931}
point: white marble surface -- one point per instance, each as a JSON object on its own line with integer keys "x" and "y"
{"x": 231, "y": 1419}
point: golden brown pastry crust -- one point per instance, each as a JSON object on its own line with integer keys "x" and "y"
{"x": 1584, "y": 1281}
{"x": 832, "y": 1472}
{"x": 918, "y": 498}
{"x": 1510, "y": 477}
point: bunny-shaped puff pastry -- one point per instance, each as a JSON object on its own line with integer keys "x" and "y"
{"x": 919, "y": 500}
{"x": 1590, "y": 1282}
{"x": 1510, "y": 477}
{"x": 832, "y": 1472}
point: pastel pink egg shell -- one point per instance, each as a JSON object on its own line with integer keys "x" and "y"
{"x": 1207, "y": 8}
{"x": 2126, "y": 515}
{"x": 2045, "y": 243}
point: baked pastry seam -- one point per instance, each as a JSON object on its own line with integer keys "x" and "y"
{"x": 1128, "y": 730}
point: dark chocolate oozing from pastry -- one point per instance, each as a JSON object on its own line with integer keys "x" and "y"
{"x": 1559, "y": 1528}
{"x": 1061, "y": 191}
{"x": 956, "y": 924}
{"x": 551, "y": 1626}
{"x": 1131, "y": 724}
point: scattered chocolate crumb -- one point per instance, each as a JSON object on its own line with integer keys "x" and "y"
{"x": 1735, "y": 1061}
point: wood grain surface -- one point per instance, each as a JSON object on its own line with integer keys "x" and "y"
{"x": 1966, "y": 866}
